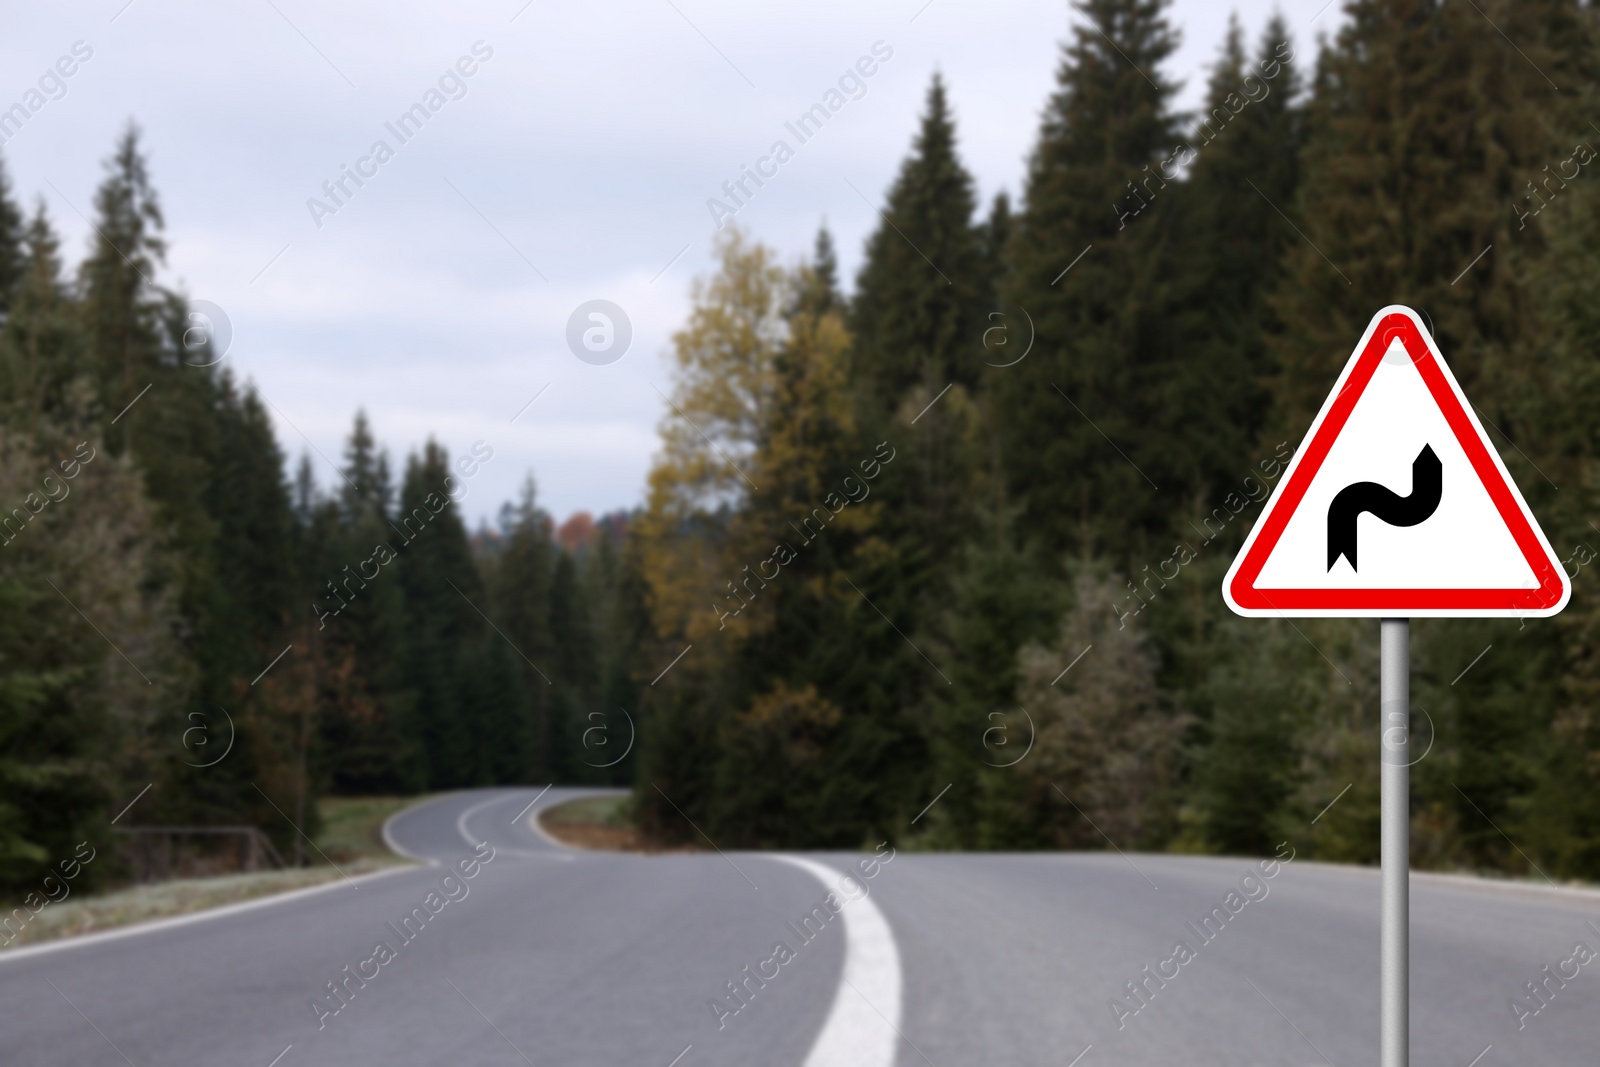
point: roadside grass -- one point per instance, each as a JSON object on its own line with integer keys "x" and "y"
{"x": 351, "y": 838}
{"x": 605, "y": 823}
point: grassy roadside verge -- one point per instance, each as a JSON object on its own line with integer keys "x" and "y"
{"x": 604, "y": 823}
{"x": 351, "y": 838}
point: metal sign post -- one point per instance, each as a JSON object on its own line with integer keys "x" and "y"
{"x": 1395, "y": 849}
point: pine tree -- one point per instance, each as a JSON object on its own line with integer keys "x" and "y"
{"x": 371, "y": 739}
{"x": 922, "y": 293}
{"x": 1223, "y": 241}
{"x": 1080, "y": 444}
{"x": 1000, "y": 600}
{"x": 1562, "y": 816}
{"x": 614, "y": 590}
{"x": 993, "y": 240}
{"x": 366, "y": 490}
{"x": 574, "y": 670}
{"x": 629, "y": 644}
{"x": 13, "y": 255}
{"x": 1426, "y": 132}
{"x": 41, "y": 345}
{"x": 79, "y": 722}
{"x": 254, "y": 572}
{"x": 520, "y": 592}
{"x": 918, "y": 322}
{"x": 123, "y": 309}
{"x": 818, "y": 290}
{"x": 442, "y": 592}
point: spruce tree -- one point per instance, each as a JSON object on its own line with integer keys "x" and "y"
{"x": 123, "y": 309}
{"x": 918, "y": 321}
{"x": 574, "y": 670}
{"x": 1426, "y": 134}
{"x": 13, "y": 254}
{"x": 372, "y": 741}
{"x": 1223, "y": 240}
{"x": 41, "y": 344}
{"x": 626, "y": 634}
{"x": 922, "y": 292}
{"x": 817, "y": 291}
{"x": 993, "y": 239}
{"x": 443, "y": 598}
{"x": 520, "y": 593}
{"x": 1080, "y": 446}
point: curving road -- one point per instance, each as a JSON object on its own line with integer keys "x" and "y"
{"x": 547, "y": 956}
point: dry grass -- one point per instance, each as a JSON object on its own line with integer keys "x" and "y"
{"x": 350, "y": 838}
{"x": 604, "y": 823}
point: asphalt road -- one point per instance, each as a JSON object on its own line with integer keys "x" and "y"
{"x": 555, "y": 958}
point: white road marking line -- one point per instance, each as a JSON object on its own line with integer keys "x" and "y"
{"x": 864, "y": 1023}
{"x": 461, "y": 820}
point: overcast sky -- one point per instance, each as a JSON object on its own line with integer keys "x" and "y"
{"x": 573, "y": 164}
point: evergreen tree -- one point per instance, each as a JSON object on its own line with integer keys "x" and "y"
{"x": 999, "y": 601}
{"x": 1562, "y": 816}
{"x": 1407, "y": 181}
{"x": 993, "y": 239}
{"x": 922, "y": 293}
{"x": 13, "y": 254}
{"x": 621, "y": 622}
{"x": 1081, "y": 444}
{"x": 520, "y": 593}
{"x": 366, "y": 490}
{"x": 818, "y": 290}
{"x": 123, "y": 309}
{"x": 918, "y": 321}
{"x": 372, "y": 740}
{"x": 41, "y": 345}
{"x": 444, "y": 627}
{"x": 1223, "y": 241}
{"x": 574, "y": 670}
{"x": 79, "y": 722}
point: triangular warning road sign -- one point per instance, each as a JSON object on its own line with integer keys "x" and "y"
{"x": 1396, "y": 505}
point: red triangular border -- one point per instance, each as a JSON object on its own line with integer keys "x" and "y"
{"x": 1245, "y": 598}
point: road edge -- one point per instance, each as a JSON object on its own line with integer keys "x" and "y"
{"x": 222, "y": 910}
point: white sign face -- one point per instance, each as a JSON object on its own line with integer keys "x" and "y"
{"x": 1396, "y": 505}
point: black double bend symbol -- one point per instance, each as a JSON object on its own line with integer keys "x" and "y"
{"x": 1427, "y": 484}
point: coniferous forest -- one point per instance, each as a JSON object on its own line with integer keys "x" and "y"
{"x": 932, "y": 554}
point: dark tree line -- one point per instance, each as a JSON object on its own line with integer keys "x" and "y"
{"x": 167, "y": 588}
{"x": 1043, "y": 558}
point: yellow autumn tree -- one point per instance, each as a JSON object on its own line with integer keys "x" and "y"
{"x": 710, "y": 434}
